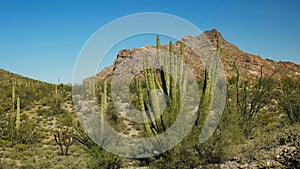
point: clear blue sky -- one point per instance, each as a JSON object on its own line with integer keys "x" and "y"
{"x": 42, "y": 39}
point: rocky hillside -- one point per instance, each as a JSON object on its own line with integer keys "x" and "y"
{"x": 249, "y": 65}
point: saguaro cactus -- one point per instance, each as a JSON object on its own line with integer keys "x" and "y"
{"x": 18, "y": 114}
{"x": 103, "y": 106}
{"x": 104, "y": 98}
{"x": 56, "y": 87}
{"x": 13, "y": 97}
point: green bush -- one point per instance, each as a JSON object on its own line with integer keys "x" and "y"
{"x": 102, "y": 159}
{"x": 7, "y": 164}
{"x": 289, "y": 99}
{"x": 20, "y": 147}
{"x": 182, "y": 157}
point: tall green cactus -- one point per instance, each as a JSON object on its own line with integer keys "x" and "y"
{"x": 166, "y": 77}
{"x": 183, "y": 71}
{"x": 18, "y": 114}
{"x": 215, "y": 72}
{"x": 181, "y": 68}
{"x": 142, "y": 108}
{"x": 104, "y": 98}
{"x": 156, "y": 121}
{"x": 210, "y": 80}
{"x": 158, "y": 46}
{"x": 56, "y": 90}
{"x": 103, "y": 106}
{"x": 56, "y": 87}
{"x": 13, "y": 97}
{"x": 173, "y": 82}
{"x": 153, "y": 98}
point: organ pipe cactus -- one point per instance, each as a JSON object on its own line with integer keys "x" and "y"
{"x": 142, "y": 107}
{"x": 210, "y": 80}
{"x": 158, "y": 46}
{"x": 173, "y": 80}
{"x": 155, "y": 120}
{"x": 154, "y": 103}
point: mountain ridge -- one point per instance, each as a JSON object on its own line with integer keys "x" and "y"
{"x": 248, "y": 65}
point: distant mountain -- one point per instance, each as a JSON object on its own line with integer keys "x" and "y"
{"x": 249, "y": 65}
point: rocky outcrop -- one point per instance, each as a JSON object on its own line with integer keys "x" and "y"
{"x": 124, "y": 53}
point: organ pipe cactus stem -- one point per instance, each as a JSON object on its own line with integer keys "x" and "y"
{"x": 158, "y": 49}
{"x": 173, "y": 79}
{"x": 166, "y": 77}
{"x": 181, "y": 71}
{"x": 153, "y": 99}
{"x": 142, "y": 107}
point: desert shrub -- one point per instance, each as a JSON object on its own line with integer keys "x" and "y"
{"x": 65, "y": 118}
{"x": 289, "y": 99}
{"x": 20, "y": 147}
{"x": 4, "y": 143}
{"x": 99, "y": 158}
{"x": 26, "y": 133}
{"x": 42, "y": 112}
{"x": 27, "y": 166}
{"x": 180, "y": 157}
{"x": 103, "y": 159}
{"x": 7, "y": 164}
{"x": 55, "y": 108}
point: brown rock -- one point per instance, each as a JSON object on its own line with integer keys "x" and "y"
{"x": 125, "y": 53}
